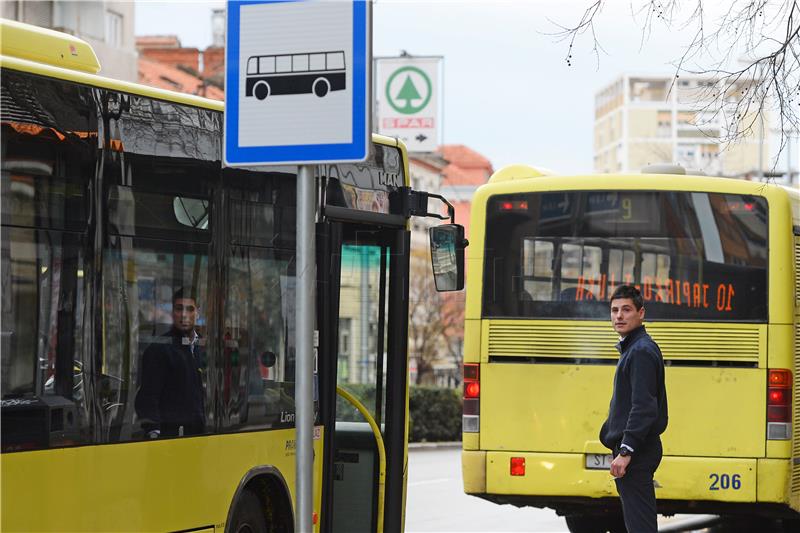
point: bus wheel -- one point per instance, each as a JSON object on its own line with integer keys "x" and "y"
{"x": 261, "y": 90}
{"x": 321, "y": 87}
{"x": 248, "y": 516}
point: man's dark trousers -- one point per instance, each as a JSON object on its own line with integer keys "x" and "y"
{"x": 636, "y": 489}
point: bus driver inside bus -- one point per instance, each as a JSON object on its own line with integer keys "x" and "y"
{"x": 170, "y": 400}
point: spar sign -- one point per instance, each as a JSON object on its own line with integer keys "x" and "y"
{"x": 407, "y": 100}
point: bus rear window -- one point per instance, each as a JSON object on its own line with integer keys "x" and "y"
{"x": 561, "y": 254}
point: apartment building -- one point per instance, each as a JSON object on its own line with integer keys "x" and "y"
{"x": 644, "y": 120}
{"x": 107, "y": 26}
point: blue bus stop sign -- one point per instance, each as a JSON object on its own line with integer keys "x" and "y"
{"x": 297, "y": 82}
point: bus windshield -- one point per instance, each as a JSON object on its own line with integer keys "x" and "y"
{"x": 693, "y": 255}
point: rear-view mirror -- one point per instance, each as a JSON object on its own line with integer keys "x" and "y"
{"x": 447, "y": 256}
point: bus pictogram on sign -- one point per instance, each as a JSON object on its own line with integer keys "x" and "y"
{"x": 273, "y": 75}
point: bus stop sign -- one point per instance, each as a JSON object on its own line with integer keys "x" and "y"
{"x": 297, "y": 82}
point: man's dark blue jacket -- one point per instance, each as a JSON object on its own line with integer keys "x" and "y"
{"x": 171, "y": 392}
{"x": 638, "y": 411}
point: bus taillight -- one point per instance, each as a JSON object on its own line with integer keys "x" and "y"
{"x": 779, "y": 404}
{"x": 472, "y": 393}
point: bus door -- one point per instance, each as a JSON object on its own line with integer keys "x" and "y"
{"x": 366, "y": 351}
{"x": 363, "y": 254}
{"x": 363, "y": 264}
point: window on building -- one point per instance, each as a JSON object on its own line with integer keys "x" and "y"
{"x": 114, "y": 28}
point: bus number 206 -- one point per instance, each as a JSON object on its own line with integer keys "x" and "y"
{"x": 725, "y": 482}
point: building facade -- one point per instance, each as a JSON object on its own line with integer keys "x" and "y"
{"x": 455, "y": 171}
{"x": 107, "y": 26}
{"x": 645, "y": 120}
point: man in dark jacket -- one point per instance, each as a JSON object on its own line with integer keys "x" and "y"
{"x": 637, "y": 415}
{"x": 170, "y": 400}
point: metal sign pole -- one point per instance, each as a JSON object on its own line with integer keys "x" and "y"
{"x": 304, "y": 363}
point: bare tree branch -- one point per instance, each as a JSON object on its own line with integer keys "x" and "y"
{"x": 762, "y": 36}
{"x": 585, "y": 24}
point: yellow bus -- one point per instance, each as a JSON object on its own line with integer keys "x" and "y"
{"x": 718, "y": 264}
{"x": 113, "y": 199}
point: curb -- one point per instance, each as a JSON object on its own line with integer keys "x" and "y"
{"x": 433, "y": 445}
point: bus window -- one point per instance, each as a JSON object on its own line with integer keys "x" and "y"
{"x": 153, "y": 251}
{"x": 283, "y": 64}
{"x": 694, "y": 255}
{"x": 335, "y": 60}
{"x": 620, "y": 264}
{"x": 316, "y": 62}
{"x": 159, "y": 229}
{"x": 266, "y": 65}
{"x": 578, "y": 263}
{"x": 252, "y": 65}
{"x": 258, "y": 353}
{"x": 538, "y": 269}
{"x": 655, "y": 266}
{"x": 45, "y": 174}
{"x": 300, "y": 63}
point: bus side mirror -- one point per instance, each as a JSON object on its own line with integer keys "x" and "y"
{"x": 447, "y": 256}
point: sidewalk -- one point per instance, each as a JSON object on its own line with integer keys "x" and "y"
{"x": 433, "y": 445}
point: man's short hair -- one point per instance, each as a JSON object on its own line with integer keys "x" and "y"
{"x": 183, "y": 294}
{"x": 628, "y": 291}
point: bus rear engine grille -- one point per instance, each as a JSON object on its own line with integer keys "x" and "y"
{"x": 531, "y": 339}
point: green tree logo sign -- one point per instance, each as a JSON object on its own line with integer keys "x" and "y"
{"x": 408, "y": 100}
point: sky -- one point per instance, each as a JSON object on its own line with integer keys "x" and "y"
{"x": 508, "y": 91}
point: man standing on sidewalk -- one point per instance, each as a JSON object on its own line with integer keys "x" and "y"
{"x": 637, "y": 415}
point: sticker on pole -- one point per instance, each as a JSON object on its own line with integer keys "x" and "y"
{"x": 296, "y": 82}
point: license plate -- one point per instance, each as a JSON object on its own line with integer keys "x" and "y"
{"x": 598, "y": 461}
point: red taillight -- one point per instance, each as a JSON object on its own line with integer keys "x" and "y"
{"x": 779, "y": 395}
{"x": 517, "y": 466}
{"x": 780, "y": 377}
{"x": 470, "y": 421}
{"x": 472, "y": 384}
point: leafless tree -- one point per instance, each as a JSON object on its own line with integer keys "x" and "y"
{"x": 435, "y": 322}
{"x": 760, "y": 37}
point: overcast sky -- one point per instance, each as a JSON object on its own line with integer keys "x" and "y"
{"x": 508, "y": 91}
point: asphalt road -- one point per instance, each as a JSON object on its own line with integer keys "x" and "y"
{"x": 436, "y": 501}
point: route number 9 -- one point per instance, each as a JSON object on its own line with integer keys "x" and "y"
{"x": 627, "y": 209}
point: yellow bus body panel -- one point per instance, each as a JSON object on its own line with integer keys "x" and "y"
{"x": 125, "y": 487}
{"x": 473, "y": 471}
{"x": 43, "y": 45}
{"x": 544, "y": 407}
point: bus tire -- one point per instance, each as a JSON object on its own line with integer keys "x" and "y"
{"x": 248, "y": 516}
{"x": 261, "y": 90}
{"x": 321, "y": 87}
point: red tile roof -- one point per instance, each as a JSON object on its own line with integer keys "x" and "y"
{"x": 466, "y": 166}
{"x": 164, "y": 76}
